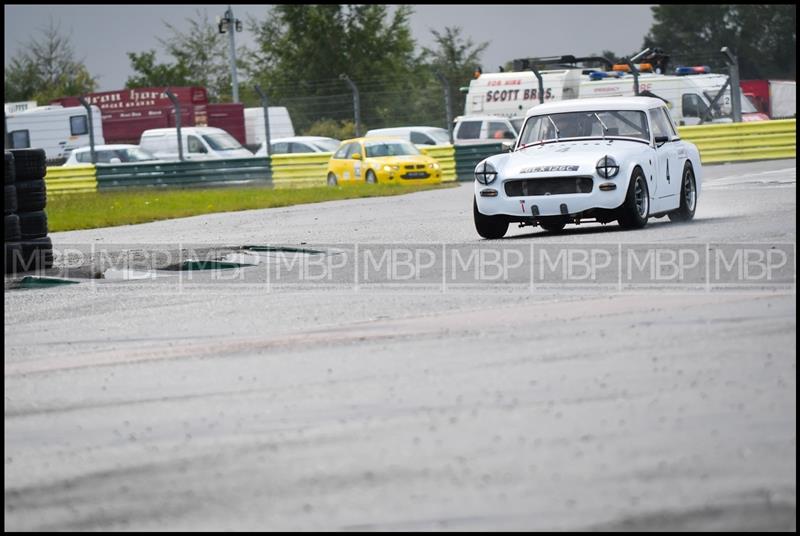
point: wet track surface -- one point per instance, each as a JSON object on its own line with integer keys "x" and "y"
{"x": 199, "y": 402}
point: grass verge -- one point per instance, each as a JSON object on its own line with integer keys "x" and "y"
{"x": 69, "y": 212}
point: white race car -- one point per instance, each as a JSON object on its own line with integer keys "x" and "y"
{"x": 617, "y": 158}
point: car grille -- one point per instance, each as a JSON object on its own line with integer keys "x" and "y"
{"x": 548, "y": 186}
{"x": 415, "y": 175}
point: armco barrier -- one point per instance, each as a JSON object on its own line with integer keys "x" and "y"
{"x": 300, "y": 170}
{"x": 230, "y": 172}
{"x": 72, "y": 179}
{"x": 755, "y": 140}
{"x": 468, "y": 156}
{"x": 445, "y": 155}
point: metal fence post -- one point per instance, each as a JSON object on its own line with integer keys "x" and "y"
{"x": 538, "y": 76}
{"x": 6, "y": 138}
{"x": 88, "y": 107}
{"x": 447, "y": 104}
{"x": 356, "y": 103}
{"x": 177, "y": 106}
{"x": 265, "y": 106}
{"x": 733, "y": 67}
{"x": 635, "y": 73}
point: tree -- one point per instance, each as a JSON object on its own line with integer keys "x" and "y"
{"x": 200, "y": 58}
{"x": 303, "y": 50}
{"x": 152, "y": 74}
{"x": 455, "y": 59}
{"x": 763, "y": 36}
{"x": 45, "y": 68}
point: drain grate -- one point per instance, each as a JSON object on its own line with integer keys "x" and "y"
{"x": 284, "y": 249}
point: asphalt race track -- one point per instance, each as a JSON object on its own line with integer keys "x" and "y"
{"x": 147, "y": 400}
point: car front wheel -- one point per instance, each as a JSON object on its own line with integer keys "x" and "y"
{"x": 489, "y": 226}
{"x": 634, "y": 212}
{"x": 371, "y": 178}
{"x": 332, "y": 180}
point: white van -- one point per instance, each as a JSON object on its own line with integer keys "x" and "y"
{"x": 416, "y": 135}
{"x": 280, "y": 125}
{"x": 199, "y": 143}
{"x": 513, "y": 94}
{"x": 56, "y": 129}
{"x": 475, "y": 129}
{"x": 688, "y": 97}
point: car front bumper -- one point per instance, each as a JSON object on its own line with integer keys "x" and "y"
{"x": 550, "y": 204}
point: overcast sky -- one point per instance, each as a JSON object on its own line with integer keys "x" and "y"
{"x": 103, "y": 34}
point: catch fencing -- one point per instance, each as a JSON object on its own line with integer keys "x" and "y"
{"x": 733, "y": 142}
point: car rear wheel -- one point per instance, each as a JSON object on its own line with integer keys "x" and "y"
{"x": 371, "y": 178}
{"x": 489, "y": 226}
{"x": 688, "y": 205}
{"x": 553, "y": 226}
{"x": 635, "y": 211}
{"x": 332, "y": 180}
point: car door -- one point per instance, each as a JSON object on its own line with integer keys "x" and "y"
{"x": 356, "y": 165}
{"x": 338, "y": 163}
{"x": 663, "y": 193}
{"x": 298, "y": 147}
{"x": 195, "y": 148}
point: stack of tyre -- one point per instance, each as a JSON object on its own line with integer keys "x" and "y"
{"x": 27, "y": 246}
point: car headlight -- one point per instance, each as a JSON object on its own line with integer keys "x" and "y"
{"x": 607, "y": 167}
{"x": 391, "y": 168}
{"x": 485, "y": 173}
{"x": 433, "y": 165}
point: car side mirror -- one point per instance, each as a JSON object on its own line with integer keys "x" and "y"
{"x": 661, "y": 140}
{"x": 508, "y": 146}
{"x": 357, "y": 156}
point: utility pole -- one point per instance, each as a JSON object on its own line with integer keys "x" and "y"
{"x": 228, "y": 24}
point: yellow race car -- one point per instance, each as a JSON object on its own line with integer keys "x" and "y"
{"x": 385, "y": 160}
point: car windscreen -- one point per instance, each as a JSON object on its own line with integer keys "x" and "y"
{"x": 724, "y": 108}
{"x": 590, "y": 124}
{"x": 326, "y": 146}
{"x": 222, "y": 141}
{"x": 441, "y": 136}
{"x": 377, "y": 149}
{"x": 134, "y": 154}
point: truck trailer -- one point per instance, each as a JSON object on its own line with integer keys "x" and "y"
{"x": 129, "y": 112}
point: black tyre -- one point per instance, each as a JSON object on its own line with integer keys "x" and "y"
{"x": 685, "y": 212}
{"x": 10, "y": 198}
{"x": 27, "y": 255}
{"x": 29, "y": 164}
{"x": 489, "y": 226}
{"x": 635, "y": 211}
{"x": 31, "y": 195}
{"x": 33, "y": 224}
{"x": 11, "y": 228}
{"x": 553, "y": 226}
{"x": 9, "y": 173}
{"x": 332, "y": 180}
{"x": 12, "y": 256}
{"x": 371, "y": 178}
